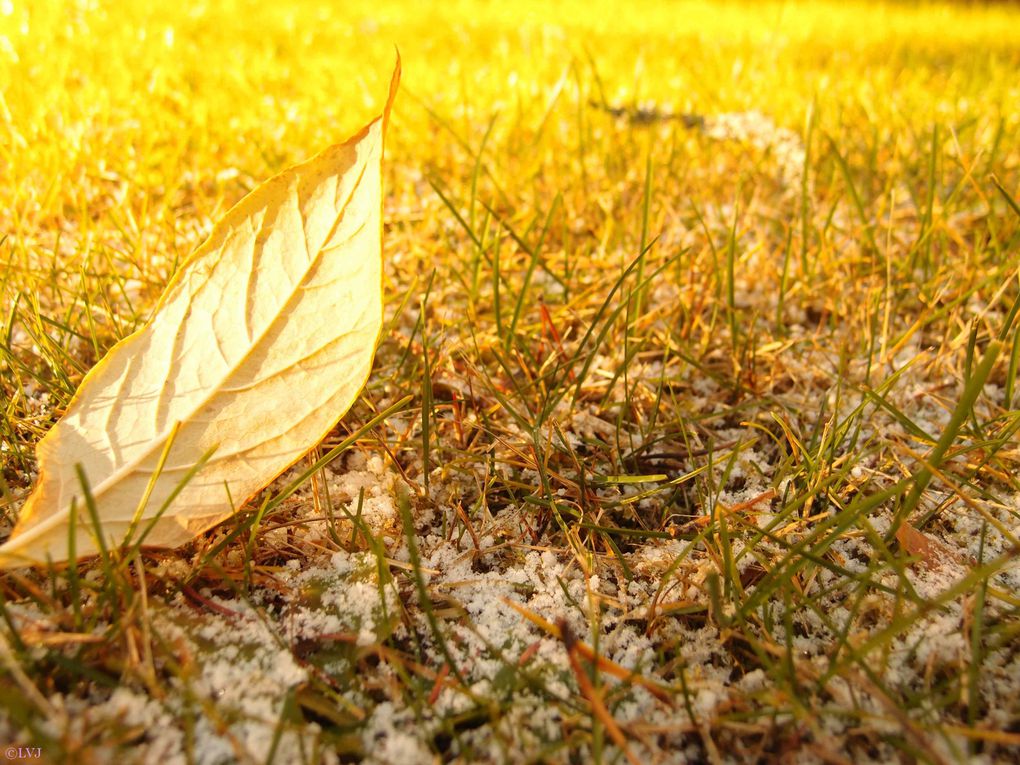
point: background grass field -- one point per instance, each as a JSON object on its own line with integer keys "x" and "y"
{"x": 706, "y": 313}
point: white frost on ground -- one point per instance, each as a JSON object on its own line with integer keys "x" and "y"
{"x": 242, "y": 658}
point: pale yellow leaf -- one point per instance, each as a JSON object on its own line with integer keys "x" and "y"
{"x": 261, "y": 342}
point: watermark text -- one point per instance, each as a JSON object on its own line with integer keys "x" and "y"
{"x": 22, "y": 753}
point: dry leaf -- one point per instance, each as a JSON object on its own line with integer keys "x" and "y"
{"x": 260, "y": 343}
{"x": 918, "y": 544}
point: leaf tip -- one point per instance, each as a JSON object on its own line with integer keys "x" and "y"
{"x": 394, "y": 86}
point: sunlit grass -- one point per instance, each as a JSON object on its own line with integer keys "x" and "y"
{"x": 706, "y": 301}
